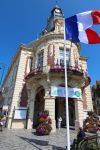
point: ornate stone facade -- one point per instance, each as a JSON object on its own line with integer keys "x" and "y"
{"x": 39, "y": 66}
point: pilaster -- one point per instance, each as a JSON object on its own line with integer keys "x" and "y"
{"x": 89, "y": 98}
{"x": 31, "y": 99}
{"x": 79, "y": 114}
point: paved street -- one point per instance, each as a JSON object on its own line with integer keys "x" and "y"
{"x": 26, "y": 140}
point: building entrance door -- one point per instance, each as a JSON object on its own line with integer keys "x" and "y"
{"x": 60, "y": 111}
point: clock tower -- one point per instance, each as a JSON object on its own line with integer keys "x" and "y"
{"x": 56, "y": 14}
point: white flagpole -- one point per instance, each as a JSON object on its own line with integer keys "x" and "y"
{"x": 66, "y": 93}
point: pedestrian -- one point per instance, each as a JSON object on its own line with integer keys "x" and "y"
{"x": 81, "y": 134}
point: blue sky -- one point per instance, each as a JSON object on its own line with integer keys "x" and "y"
{"x": 21, "y": 21}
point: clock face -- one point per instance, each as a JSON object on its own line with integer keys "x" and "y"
{"x": 57, "y": 10}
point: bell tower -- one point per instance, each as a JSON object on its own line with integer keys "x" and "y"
{"x": 56, "y": 14}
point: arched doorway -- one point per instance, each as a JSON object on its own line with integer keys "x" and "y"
{"x": 60, "y": 110}
{"x": 39, "y": 104}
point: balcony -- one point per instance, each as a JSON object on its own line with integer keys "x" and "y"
{"x": 70, "y": 70}
{"x": 37, "y": 72}
{"x": 76, "y": 76}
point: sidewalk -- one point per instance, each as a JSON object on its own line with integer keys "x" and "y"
{"x": 26, "y": 140}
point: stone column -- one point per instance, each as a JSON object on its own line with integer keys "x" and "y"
{"x": 79, "y": 114}
{"x": 31, "y": 97}
{"x": 50, "y": 106}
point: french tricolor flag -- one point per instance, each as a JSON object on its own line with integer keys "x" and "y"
{"x": 77, "y": 27}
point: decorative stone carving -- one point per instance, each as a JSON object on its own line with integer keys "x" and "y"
{"x": 50, "y": 56}
{"x": 59, "y": 27}
{"x": 76, "y": 57}
{"x": 73, "y": 83}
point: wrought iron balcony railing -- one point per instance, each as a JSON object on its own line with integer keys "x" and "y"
{"x": 35, "y": 71}
{"x": 75, "y": 70}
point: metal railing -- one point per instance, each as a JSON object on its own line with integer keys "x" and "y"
{"x": 73, "y": 68}
{"x": 58, "y": 68}
{"x": 35, "y": 71}
{"x": 38, "y": 69}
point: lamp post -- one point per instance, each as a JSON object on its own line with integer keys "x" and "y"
{"x": 2, "y": 68}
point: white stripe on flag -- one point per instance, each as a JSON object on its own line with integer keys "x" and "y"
{"x": 83, "y": 37}
{"x": 84, "y": 20}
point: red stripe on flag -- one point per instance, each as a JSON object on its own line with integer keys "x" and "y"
{"x": 96, "y": 16}
{"x": 93, "y": 37}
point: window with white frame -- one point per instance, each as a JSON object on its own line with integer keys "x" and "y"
{"x": 40, "y": 59}
{"x": 61, "y": 56}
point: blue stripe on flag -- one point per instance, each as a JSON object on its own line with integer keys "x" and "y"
{"x": 71, "y": 29}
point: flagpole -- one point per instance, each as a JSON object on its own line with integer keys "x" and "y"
{"x": 66, "y": 93}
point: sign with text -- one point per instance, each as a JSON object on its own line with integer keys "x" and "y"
{"x": 20, "y": 113}
{"x": 60, "y": 92}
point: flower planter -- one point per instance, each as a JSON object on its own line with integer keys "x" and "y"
{"x": 44, "y": 127}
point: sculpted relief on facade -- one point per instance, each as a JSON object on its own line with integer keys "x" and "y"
{"x": 50, "y": 54}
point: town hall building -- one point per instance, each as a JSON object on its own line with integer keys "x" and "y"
{"x": 36, "y": 68}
